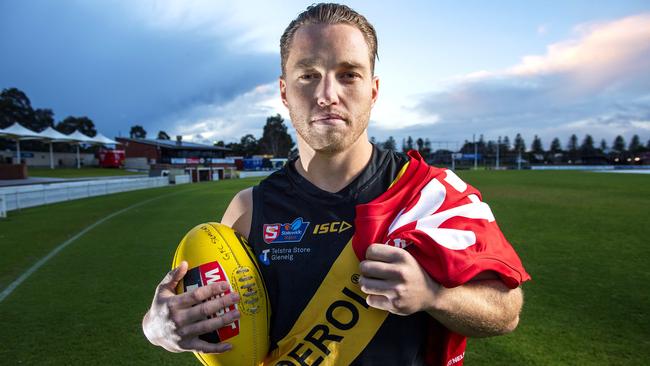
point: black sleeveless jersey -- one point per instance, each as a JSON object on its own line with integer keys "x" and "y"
{"x": 298, "y": 231}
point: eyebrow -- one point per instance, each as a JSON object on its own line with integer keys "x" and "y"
{"x": 350, "y": 65}
{"x": 307, "y": 63}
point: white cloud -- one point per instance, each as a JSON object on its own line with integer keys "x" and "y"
{"x": 598, "y": 83}
{"x": 229, "y": 121}
{"x": 394, "y": 112}
{"x": 606, "y": 55}
{"x": 248, "y": 27}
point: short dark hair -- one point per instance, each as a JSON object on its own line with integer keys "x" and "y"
{"x": 329, "y": 13}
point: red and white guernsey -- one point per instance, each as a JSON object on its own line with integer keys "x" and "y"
{"x": 445, "y": 225}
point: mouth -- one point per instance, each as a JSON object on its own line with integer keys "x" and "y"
{"x": 330, "y": 119}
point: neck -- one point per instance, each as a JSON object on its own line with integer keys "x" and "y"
{"x": 332, "y": 172}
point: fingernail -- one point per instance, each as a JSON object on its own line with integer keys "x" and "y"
{"x": 235, "y": 296}
{"x": 228, "y": 347}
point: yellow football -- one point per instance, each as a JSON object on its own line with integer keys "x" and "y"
{"x": 215, "y": 252}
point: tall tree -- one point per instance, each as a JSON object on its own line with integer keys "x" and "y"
{"x": 420, "y": 143}
{"x": 162, "y": 135}
{"x": 82, "y": 124}
{"x": 426, "y": 152}
{"x": 15, "y": 106}
{"x": 603, "y": 145}
{"x": 491, "y": 148}
{"x": 138, "y": 132}
{"x": 275, "y": 139}
{"x": 505, "y": 145}
{"x": 635, "y": 144}
{"x": 619, "y": 144}
{"x": 467, "y": 147}
{"x": 249, "y": 145}
{"x": 409, "y": 144}
{"x": 520, "y": 144}
{"x": 556, "y": 147}
{"x": 389, "y": 144}
{"x": 572, "y": 146}
{"x": 536, "y": 146}
{"x": 43, "y": 118}
{"x": 587, "y": 146}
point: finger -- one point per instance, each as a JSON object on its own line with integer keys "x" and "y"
{"x": 198, "y": 295}
{"x": 379, "y": 302}
{"x": 373, "y": 286}
{"x": 384, "y": 253}
{"x": 208, "y": 325}
{"x": 198, "y": 345}
{"x": 173, "y": 277}
{"x": 381, "y": 270}
{"x": 211, "y": 307}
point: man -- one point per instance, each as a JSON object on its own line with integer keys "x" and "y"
{"x": 329, "y": 87}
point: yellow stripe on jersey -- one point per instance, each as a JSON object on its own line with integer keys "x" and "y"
{"x": 399, "y": 175}
{"x": 336, "y": 325}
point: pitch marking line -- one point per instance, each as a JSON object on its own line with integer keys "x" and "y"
{"x": 7, "y": 291}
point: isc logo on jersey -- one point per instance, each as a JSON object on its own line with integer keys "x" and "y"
{"x": 332, "y": 227}
{"x": 285, "y": 233}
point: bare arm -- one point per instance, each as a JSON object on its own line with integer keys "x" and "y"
{"x": 480, "y": 308}
{"x": 394, "y": 281}
{"x": 239, "y": 213}
{"x": 174, "y": 322}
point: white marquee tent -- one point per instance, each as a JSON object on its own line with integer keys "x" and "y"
{"x": 50, "y": 135}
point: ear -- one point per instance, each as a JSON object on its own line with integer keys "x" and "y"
{"x": 375, "y": 89}
{"x": 283, "y": 92}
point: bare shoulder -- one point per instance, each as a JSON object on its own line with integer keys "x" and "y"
{"x": 239, "y": 213}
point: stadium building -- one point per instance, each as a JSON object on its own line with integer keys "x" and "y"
{"x": 169, "y": 157}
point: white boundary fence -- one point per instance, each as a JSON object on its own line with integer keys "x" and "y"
{"x": 14, "y": 198}
{"x": 182, "y": 179}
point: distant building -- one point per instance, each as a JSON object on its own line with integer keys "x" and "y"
{"x": 202, "y": 162}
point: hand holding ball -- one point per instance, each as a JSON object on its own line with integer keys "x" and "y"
{"x": 217, "y": 253}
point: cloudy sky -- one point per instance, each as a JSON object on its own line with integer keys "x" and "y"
{"x": 208, "y": 70}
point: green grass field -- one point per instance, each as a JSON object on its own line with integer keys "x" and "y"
{"x": 582, "y": 236}
{"x": 84, "y": 172}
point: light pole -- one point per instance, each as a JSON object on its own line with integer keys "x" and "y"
{"x": 498, "y": 143}
{"x": 475, "y": 151}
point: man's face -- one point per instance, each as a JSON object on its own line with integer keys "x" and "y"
{"x": 328, "y": 86}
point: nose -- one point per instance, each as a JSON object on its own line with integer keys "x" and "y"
{"x": 327, "y": 91}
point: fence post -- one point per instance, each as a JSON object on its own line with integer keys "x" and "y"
{"x": 3, "y": 206}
